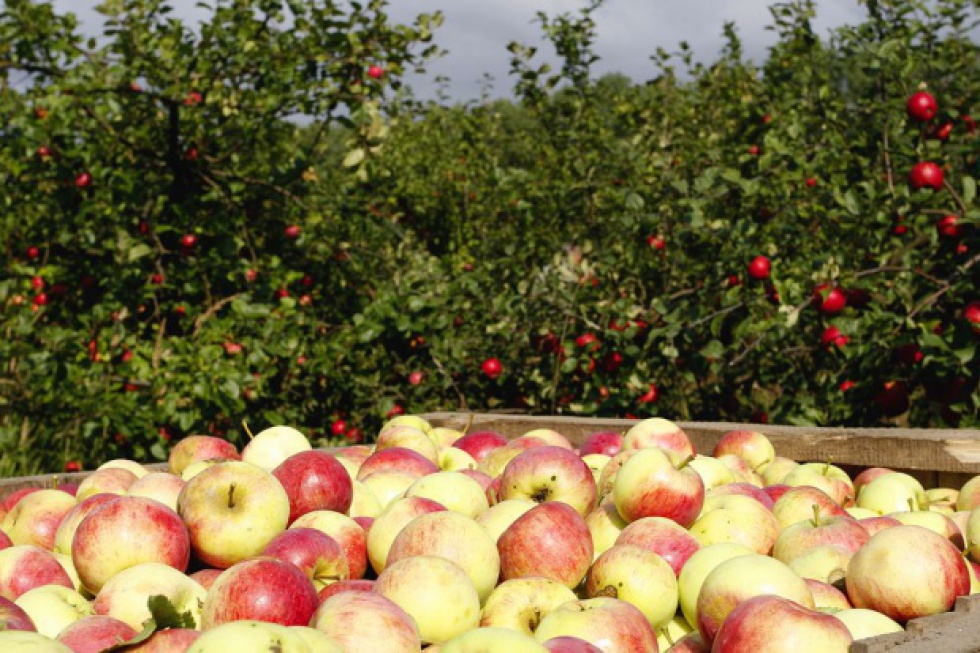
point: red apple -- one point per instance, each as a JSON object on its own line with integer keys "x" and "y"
{"x": 260, "y": 589}
{"x": 349, "y": 585}
{"x": 875, "y": 524}
{"x": 833, "y": 336}
{"x": 11, "y": 499}
{"x": 921, "y": 106}
{"x": 492, "y": 368}
{"x": 550, "y": 473}
{"x": 480, "y": 443}
{"x": 206, "y": 577}
{"x": 95, "y": 634}
{"x": 375, "y": 72}
{"x": 13, "y": 617}
{"x": 200, "y": 447}
{"x": 760, "y": 268}
{"x": 550, "y": 540}
{"x": 172, "y": 640}
{"x": 25, "y": 567}
{"x": 187, "y": 241}
{"x": 829, "y": 301}
{"x": 293, "y": 231}
{"x": 751, "y": 446}
{"x": 926, "y": 174}
{"x": 314, "y": 480}
{"x": 36, "y": 517}
{"x": 361, "y": 621}
{"x": 663, "y": 537}
{"x": 69, "y": 524}
{"x": 397, "y": 459}
{"x": 349, "y": 533}
{"x": 649, "y": 485}
{"x": 607, "y": 443}
{"x": 316, "y": 554}
{"x": 611, "y": 624}
{"x": 745, "y": 489}
{"x": 567, "y": 644}
{"x": 949, "y": 227}
{"x": 84, "y": 180}
{"x": 772, "y": 624}
{"x": 842, "y": 532}
{"x": 662, "y": 434}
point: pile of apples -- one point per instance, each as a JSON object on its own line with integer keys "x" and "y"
{"x": 447, "y": 542}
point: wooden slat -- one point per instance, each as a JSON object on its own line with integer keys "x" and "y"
{"x": 10, "y": 485}
{"x": 929, "y": 450}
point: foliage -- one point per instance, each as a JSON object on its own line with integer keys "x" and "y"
{"x": 433, "y": 236}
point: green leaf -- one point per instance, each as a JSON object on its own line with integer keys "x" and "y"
{"x": 969, "y": 190}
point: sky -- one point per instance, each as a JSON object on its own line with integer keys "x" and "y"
{"x": 476, "y": 33}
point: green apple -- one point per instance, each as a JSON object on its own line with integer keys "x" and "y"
{"x": 273, "y": 445}
{"x": 894, "y": 492}
{"x": 697, "y": 568}
{"x": 863, "y": 623}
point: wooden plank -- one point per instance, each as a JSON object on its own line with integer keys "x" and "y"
{"x": 10, "y": 485}
{"x": 929, "y": 450}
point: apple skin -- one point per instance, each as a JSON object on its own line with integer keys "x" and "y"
{"x": 690, "y": 643}
{"x": 457, "y": 492}
{"x": 250, "y": 636}
{"x": 124, "y": 463}
{"x": 200, "y": 447}
{"x": 408, "y": 437}
{"x": 491, "y": 640}
{"x": 456, "y": 538}
{"x": 95, "y": 634}
{"x": 550, "y": 540}
{"x": 697, "y": 568}
{"x": 751, "y": 446}
{"x": 969, "y": 496}
{"x": 172, "y": 640}
{"x": 368, "y": 623}
{"x": 739, "y": 579}
{"x": 608, "y": 443}
{"x": 232, "y": 510}
{"x": 826, "y": 595}
{"x": 5, "y": 541}
{"x": 349, "y": 585}
{"x": 161, "y": 486}
{"x": 69, "y": 524}
{"x": 364, "y": 502}
{"x": 452, "y": 459}
{"x": 797, "y": 504}
{"x": 316, "y": 554}
{"x": 906, "y": 572}
{"x": 863, "y": 623}
{"x": 125, "y": 595}
{"x": 736, "y": 518}
{"x": 662, "y": 434}
{"x": 314, "y": 480}
{"x": 435, "y": 592}
{"x": 126, "y": 532}
{"x": 772, "y": 624}
{"x": 13, "y": 617}
{"x": 605, "y": 524}
{"x": 550, "y": 473}
{"x": 613, "y": 625}
{"x": 713, "y": 472}
{"x": 110, "y": 480}
{"x": 663, "y": 537}
{"x": 842, "y": 532}
{"x": 260, "y": 589}
{"x": 272, "y": 446}
{"x": 480, "y": 443}
{"x": 638, "y": 576}
{"x": 869, "y": 474}
{"x": 36, "y": 517}
{"x": 521, "y": 603}
{"x": 566, "y": 644}
{"x": 206, "y": 577}
{"x": 934, "y": 521}
{"x": 390, "y": 523}
{"x": 895, "y": 492}
{"x": 397, "y": 459}
{"x": 832, "y": 480}
{"x": 824, "y": 562}
{"x": 875, "y": 524}
{"x": 648, "y": 485}
{"x": 348, "y": 533}
{"x": 11, "y": 499}
{"x": 746, "y": 489}
{"x": 777, "y": 470}
{"x": 496, "y": 461}
{"x": 24, "y": 567}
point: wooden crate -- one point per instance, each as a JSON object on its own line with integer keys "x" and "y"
{"x": 937, "y": 457}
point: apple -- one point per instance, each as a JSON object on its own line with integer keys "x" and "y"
{"x": 479, "y": 443}
{"x": 199, "y": 466}
{"x": 389, "y": 485}
{"x": 550, "y": 540}
{"x": 863, "y": 623}
{"x": 269, "y": 448}
{"x": 607, "y": 478}
{"x": 833, "y": 336}
{"x": 942, "y": 499}
{"x": 454, "y": 537}
{"x": 69, "y": 524}
{"x": 125, "y": 463}
{"x": 638, "y": 576}
{"x": 13, "y": 617}
{"x": 878, "y": 523}
{"x": 24, "y": 567}
{"x": 934, "y": 521}
{"x": 907, "y": 572}
{"x": 775, "y": 471}
{"x": 740, "y": 469}
{"x": 408, "y": 437}
{"x": 491, "y": 640}
{"x": 314, "y": 480}
{"x": 712, "y": 471}
{"x": 773, "y": 624}
{"x": 825, "y": 562}
{"x": 567, "y": 644}
{"x": 744, "y": 489}
{"x": 317, "y": 641}
{"x": 36, "y": 517}
{"x": 500, "y": 516}
{"x": 349, "y": 585}
{"x": 206, "y": 577}
{"x": 969, "y": 496}
{"x": 741, "y": 578}
{"x": 662, "y": 434}
{"x": 95, "y": 634}
{"x": 496, "y": 461}
{"x": 126, "y": 532}
{"x": 445, "y": 437}
{"x": 250, "y": 636}
{"x": 315, "y": 553}
{"x": 292, "y": 231}
{"x": 390, "y": 523}
{"x": 829, "y": 301}
{"x": 200, "y": 447}
{"x": 363, "y": 503}
{"x": 889, "y": 493}
{"x": 611, "y": 624}
{"x": 5, "y": 541}
{"x": 351, "y": 537}
{"x": 550, "y": 473}
{"x": 736, "y": 518}
{"x": 832, "y": 480}
{"x": 948, "y": 226}
{"x": 435, "y": 592}
{"x": 971, "y": 534}
{"x": 867, "y": 475}
{"x": 398, "y": 459}
{"x": 492, "y": 368}
{"x": 452, "y": 459}
{"x": 160, "y": 486}
{"x": 11, "y": 499}
{"x": 111, "y": 480}
{"x": 860, "y": 513}
{"x": 261, "y": 589}
{"x": 843, "y": 532}
{"x": 605, "y": 524}
{"x": 926, "y": 174}
{"x": 125, "y": 595}
{"x": 759, "y": 268}
{"x": 921, "y": 106}
{"x": 826, "y": 595}
{"x": 521, "y": 603}
{"x": 457, "y": 492}
{"x": 649, "y": 485}
{"x": 661, "y": 536}
{"x": 368, "y": 623}
{"x": 232, "y": 510}
{"x": 604, "y": 442}
{"x": 798, "y": 504}
{"x": 751, "y": 446}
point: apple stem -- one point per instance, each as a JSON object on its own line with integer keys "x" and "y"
{"x": 231, "y": 495}
{"x": 685, "y": 462}
{"x": 666, "y": 634}
{"x": 826, "y": 468}
{"x": 469, "y": 423}
{"x": 911, "y": 503}
{"x": 247, "y": 430}
{"x": 54, "y": 482}
{"x": 816, "y": 515}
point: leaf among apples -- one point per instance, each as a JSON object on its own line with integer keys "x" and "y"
{"x": 165, "y": 616}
